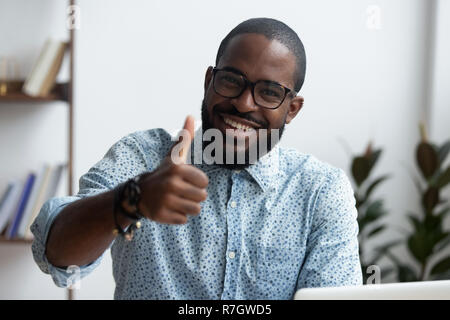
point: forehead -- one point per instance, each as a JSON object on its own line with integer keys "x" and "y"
{"x": 260, "y": 58}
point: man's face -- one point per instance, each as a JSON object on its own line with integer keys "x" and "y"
{"x": 257, "y": 58}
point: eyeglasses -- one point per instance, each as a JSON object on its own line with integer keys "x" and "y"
{"x": 267, "y": 94}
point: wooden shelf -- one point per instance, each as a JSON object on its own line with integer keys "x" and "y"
{"x": 15, "y": 240}
{"x": 14, "y": 94}
{"x": 61, "y": 92}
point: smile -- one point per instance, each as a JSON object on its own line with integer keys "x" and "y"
{"x": 237, "y": 125}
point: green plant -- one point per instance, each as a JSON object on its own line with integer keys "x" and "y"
{"x": 428, "y": 237}
{"x": 369, "y": 211}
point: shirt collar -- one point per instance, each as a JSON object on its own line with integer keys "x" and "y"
{"x": 266, "y": 171}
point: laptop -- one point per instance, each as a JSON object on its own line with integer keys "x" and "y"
{"x": 424, "y": 290}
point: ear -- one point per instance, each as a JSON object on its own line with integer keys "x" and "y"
{"x": 294, "y": 107}
{"x": 208, "y": 77}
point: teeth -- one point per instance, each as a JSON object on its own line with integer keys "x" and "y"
{"x": 236, "y": 125}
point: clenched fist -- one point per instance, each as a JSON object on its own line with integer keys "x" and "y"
{"x": 175, "y": 189}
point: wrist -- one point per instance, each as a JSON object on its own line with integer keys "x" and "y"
{"x": 127, "y": 197}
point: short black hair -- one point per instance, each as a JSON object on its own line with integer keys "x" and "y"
{"x": 273, "y": 30}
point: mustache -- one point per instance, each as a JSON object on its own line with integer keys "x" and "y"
{"x": 246, "y": 116}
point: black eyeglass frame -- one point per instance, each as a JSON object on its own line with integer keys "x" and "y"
{"x": 252, "y": 86}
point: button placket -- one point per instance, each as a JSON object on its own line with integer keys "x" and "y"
{"x": 233, "y": 242}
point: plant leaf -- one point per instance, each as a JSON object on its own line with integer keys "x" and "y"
{"x": 406, "y": 274}
{"x": 359, "y": 201}
{"x": 427, "y": 159}
{"x": 374, "y": 211}
{"x": 443, "y": 212}
{"x": 441, "y": 266}
{"x": 384, "y": 250}
{"x": 360, "y": 169}
{"x": 444, "y": 179}
{"x": 362, "y": 223}
{"x": 388, "y": 245}
{"x": 430, "y": 199}
{"x": 374, "y": 158}
{"x": 375, "y": 231}
{"x": 433, "y": 224}
{"x": 374, "y": 184}
{"x": 437, "y": 238}
{"x": 443, "y": 151}
{"x": 442, "y": 276}
{"x": 443, "y": 243}
{"x": 419, "y": 246}
{"x": 417, "y": 224}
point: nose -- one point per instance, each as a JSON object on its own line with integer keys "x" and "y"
{"x": 245, "y": 102}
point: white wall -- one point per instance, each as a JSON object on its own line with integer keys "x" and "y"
{"x": 440, "y": 97}
{"x": 361, "y": 84}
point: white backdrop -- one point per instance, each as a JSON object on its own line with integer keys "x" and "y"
{"x": 361, "y": 84}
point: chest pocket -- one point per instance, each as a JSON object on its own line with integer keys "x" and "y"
{"x": 277, "y": 270}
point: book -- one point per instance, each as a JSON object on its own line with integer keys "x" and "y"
{"x": 40, "y": 178}
{"x": 43, "y": 75}
{"x": 5, "y": 195}
{"x": 55, "y": 178}
{"x": 40, "y": 199}
{"x": 49, "y": 186}
{"x": 31, "y": 84}
{"x": 10, "y": 204}
{"x": 12, "y": 228}
{"x": 50, "y": 80}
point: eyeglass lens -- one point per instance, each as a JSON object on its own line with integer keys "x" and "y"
{"x": 231, "y": 85}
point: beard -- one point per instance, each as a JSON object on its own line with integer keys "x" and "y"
{"x": 207, "y": 124}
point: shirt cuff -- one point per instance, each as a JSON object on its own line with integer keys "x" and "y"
{"x": 40, "y": 229}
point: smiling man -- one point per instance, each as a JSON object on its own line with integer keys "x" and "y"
{"x": 273, "y": 55}
{"x": 223, "y": 230}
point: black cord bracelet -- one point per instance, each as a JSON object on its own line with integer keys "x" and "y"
{"x": 129, "y": 191}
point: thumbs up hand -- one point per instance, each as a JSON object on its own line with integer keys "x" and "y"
{"x": 175, "y": 189}
{"x": 180, "y": 150}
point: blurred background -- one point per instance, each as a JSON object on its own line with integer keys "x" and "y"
{"x": 375, "y": 69}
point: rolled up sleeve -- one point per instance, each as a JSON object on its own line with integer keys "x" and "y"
{"x": 126, "y": 154}
{"x": 40, "y": 229}
{"x": 332, "y": 257}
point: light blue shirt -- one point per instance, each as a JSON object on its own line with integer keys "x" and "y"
{"x": 284, "y": 223}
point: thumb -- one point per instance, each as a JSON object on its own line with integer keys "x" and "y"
{"x": 189, "y": 126}
{"x": 180, "y": 150}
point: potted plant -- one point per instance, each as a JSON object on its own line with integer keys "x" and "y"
{"x": 370, "y": 210}
{"x": 428, "y": 237}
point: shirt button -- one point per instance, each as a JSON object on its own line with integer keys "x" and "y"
{"x": 233, "y": 204}
{"x": 231, "y": 255}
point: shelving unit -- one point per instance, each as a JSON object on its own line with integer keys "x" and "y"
{"x": 19, "y": 241}
{"x": 61, "y": 92}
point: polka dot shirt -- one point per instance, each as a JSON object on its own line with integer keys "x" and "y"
{"x": 284, "y": 223}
